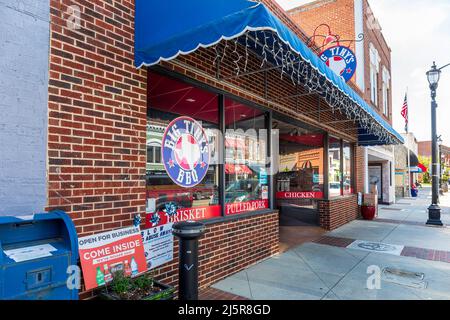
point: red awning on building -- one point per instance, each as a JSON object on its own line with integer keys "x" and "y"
{"x": 422, "y": 167}
{"x": 237, "y": 169}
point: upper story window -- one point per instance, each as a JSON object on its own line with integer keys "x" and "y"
{"x": 386, "y": 90}
{"x": 374, "y": 71}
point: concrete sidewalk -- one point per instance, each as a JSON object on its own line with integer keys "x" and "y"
{"x": 411, "y": 260}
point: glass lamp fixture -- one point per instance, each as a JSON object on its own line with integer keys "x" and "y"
{"x": 433, "y": 76}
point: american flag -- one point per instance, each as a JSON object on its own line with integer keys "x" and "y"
{"x": 405, "y": 112}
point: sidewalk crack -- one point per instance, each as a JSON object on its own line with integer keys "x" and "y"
{"x": 312, "y": 270}
{"x": 249, "y": 287}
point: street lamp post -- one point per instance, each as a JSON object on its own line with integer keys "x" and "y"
{"x": 439, "y": 140}
{"x": 434, "y": 211}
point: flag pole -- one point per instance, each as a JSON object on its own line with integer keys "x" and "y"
{"x": 409, "y": 167}
{"x": 409, "y": 152}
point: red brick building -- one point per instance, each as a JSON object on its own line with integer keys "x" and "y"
{"x": 354, "y": 20}
{"x": 425, "y": 151}
{"x": 105, "y": 130}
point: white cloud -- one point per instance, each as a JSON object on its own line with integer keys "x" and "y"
{"x": 418, "y": 33}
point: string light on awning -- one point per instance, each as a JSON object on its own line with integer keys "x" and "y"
{"x": 275, "y": 54}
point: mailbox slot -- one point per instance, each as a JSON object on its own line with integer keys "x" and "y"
{"x": 39, "y": 278}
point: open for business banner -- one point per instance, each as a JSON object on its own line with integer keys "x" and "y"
{"x": 105, "y": 253}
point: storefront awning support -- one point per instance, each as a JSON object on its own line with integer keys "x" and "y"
{"x": 340, "y": 121}
{"x": 293, "y": 96}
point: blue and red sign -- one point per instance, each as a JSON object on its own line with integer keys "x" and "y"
{"x": 185, "y": 152}
{"x": 341, "y": 60}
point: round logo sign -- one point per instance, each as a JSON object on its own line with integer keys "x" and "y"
{"x": 341, "y": 60}
{"x": 185, "y": 152}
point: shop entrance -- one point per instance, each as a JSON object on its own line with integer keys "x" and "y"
{"x": 299, "y": 181}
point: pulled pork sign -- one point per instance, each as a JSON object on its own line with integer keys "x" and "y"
{"x": 103, "y": 254}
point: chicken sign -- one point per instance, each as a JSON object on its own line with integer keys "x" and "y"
{"x": 341, "y": 60}
{"x": 185, "y": 152}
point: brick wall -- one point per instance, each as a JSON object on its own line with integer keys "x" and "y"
{"x": 425, "y": 151}
{"x": 360, "y": 165}
{"x": 372, "y": 34}
{"x": 338, "y": 212}
{"x": 97, "y": 116}
{"x": 425, "y": 148}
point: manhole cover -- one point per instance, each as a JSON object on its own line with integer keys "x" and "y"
{"x": 373, "y": 246}
{"x": 404, "y": 273}
{"x": 376, "y": 247}
{"x": 404, "y": 278}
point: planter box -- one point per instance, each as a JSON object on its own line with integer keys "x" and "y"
{"x": 368, "y": 212}
{"x": 167, "y": 293}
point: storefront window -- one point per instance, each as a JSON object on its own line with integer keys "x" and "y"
{"x": 246, "y": 175}
{"x": 300, "y": 162}
{"x": 300, "y": 177}
{"x": 348, "y": 182}
{"x": 334, "y": 173}
{"x": 182, "y": 155}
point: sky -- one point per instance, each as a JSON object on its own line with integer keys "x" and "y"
{"x": 418, "y": 33}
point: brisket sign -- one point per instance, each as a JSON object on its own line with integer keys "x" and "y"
{"x": 176, "y": 215}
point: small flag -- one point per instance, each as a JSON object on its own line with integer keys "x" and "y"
{"x": 405, "y": 112}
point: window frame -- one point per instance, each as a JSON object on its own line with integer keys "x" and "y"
{"x": 341, "y": 165}
{"x": 269, "y": 114}
{"x": 386, "y": 91}
{"x": 352, "y": 167}
{"x": 266, "y": 113}
{"x": 374, "y": 74}
{"x": 222, "y": 95}
{"x": 351, "y": 145}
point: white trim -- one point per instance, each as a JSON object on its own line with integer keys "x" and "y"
{"x": 375, "y": 58}
{"x": 366, "y": 170}
{"x": 154, "y": 143}
{"x": 359, "y": 46}
{"x": 385, "y": 87}
{"x": 374, "y": 71}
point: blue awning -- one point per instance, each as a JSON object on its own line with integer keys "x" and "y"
{"x": 166, "y": 29}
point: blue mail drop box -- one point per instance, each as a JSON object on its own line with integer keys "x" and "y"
{"x": 35, "y": 252}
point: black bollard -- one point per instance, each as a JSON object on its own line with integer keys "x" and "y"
{"x": 188, "y": 233}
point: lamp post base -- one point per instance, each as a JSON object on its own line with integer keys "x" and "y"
{"x": 434, "y": 215}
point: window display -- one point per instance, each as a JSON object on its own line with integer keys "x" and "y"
{"x": 299, "y": 179}
{"x": 183, "y": 170}
{"x": 300, "y": 164}
{"x": 182, "y": 161}
{"x": 335, "y": 172}
{"x": 246, "y": 175}
{"x": 348, "y": 182}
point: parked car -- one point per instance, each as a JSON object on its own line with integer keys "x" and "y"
{"x": 162, "y": 188}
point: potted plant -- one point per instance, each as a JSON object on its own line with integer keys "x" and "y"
{"x": 143, "y": 287}
{"x": 368, "y": 211}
